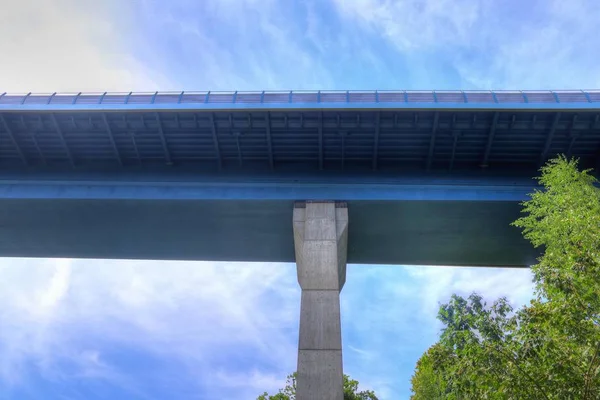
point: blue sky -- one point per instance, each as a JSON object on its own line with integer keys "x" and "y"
{"x": 87, "y": 329}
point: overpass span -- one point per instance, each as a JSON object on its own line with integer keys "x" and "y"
{"x": 431, "y": 177}
{"x": 322, "y": 178}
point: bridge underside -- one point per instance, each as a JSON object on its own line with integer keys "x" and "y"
{"x": 429, "y": 178}
{"x": 294, "y": 140}
{"x": 381, "y": 232}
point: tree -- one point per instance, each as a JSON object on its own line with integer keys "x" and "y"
{"x": 427, "y": 383}
{"x": 549, "y": 349}
{"x": 350, "y": 391}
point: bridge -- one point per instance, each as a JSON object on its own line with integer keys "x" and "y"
{"x": 321, "y": 178}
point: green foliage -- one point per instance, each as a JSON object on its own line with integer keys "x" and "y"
{"x": 287, "y": 393}
{"x": 350, "y": 391}
{"x": 565, "y": 220}
{"x": 549, "y": 349}
{"x": 427, "y": 383}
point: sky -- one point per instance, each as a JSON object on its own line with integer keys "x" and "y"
{"x": 91, "y": 329}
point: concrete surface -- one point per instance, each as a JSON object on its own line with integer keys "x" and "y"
{"x": 320, "y": 234}
{"x": 392, "y": 232}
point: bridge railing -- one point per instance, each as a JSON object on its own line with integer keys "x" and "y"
{"x": 298, "y": 96}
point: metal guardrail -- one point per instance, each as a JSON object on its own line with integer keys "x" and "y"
{"x": 296, "y": 97}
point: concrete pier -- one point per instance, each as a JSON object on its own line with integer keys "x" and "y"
{"x": 320, "y": 239}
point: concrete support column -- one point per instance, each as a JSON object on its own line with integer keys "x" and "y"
{"x": 320, "y": 238}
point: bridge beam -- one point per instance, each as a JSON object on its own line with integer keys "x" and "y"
{"x": 320, "y": 239}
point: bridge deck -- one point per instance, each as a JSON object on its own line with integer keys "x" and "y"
{"x": 430, "y": 177}
{"x": 293, "y": 131}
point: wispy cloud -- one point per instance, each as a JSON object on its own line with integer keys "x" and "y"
{"x": 481, "y": 44}
{"x": 415, "y": 25}
{"x": 232, "y": 45}
{"x": 213, "y": 330}
{"x": 72, "y": 320}
{"x": 256, "y": 45}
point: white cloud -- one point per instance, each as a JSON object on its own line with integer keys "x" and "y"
{"x": 497, "y": 45}
{"x": 253, "y": 382}
{"x": 236, "y": 45}
{"x": 64, "y": 315}
{"x": 439, "y": 283}
{"x": 415, "y": 24}
{"x": 69, "y": 45}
